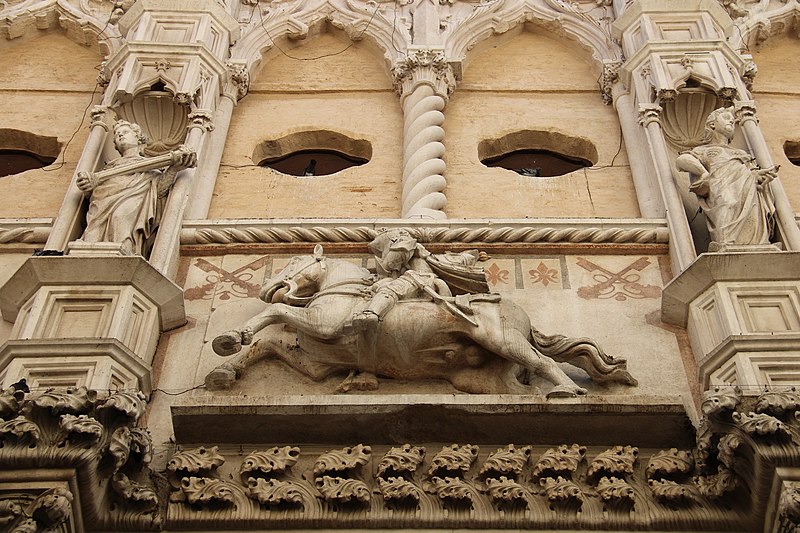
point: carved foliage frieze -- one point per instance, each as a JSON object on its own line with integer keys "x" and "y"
{"x": 98, "y": 438}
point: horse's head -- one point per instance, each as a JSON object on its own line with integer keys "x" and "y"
{"x": 298, "y": 281}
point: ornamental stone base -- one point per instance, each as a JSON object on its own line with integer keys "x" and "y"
{"x": 742, "y": 313}
{"x": 86, "y": 321}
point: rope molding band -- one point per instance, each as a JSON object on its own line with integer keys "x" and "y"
{"x": 36, "y": 231}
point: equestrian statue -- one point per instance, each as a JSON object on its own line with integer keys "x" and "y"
{"x": 419, "y": 316}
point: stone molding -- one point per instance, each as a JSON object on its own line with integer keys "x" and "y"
{"x": 88, "y": 450}
{"x": 742, "y": 472}
{"x": 597, "y": 231}
{"x": 70, "y": 271}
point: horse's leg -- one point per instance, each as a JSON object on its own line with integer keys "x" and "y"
{"x": 222, "y": 377}
{"x": 305, "y": 319}
{"x": 514, "y": 346}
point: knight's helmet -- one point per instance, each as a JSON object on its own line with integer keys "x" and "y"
{"x": 392, "y": 241}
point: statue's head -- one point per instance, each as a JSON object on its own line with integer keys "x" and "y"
{"x": 721, "y": 121}
{"x": 393, "y": 249}
{"x": 127, "y": 133}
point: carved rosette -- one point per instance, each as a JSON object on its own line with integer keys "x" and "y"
{"x": 73, "y": 430}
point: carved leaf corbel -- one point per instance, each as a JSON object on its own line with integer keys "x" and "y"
{"x": 10, "y": 402}
{"x": 341, "y": 490}
{"x": 342, "y": 460}
{"x": 562, "y": 493}
{"x": 618, "y": 461}
{"x": 73, "y": 401}
{"x": 130, "y": 404}
{"x": 720, "y": 400}
{"x": 562, "y": 461}
{"x": 274, "y": 491}
{"x": 451, "y": 488}
{"x": 406, "y": 458}
{"x": 507, "y": 461}
{"x": 51, "y": 508}
{"x": 669, "y": 463}
{"x": 717, "y": 485}
{"x": 81, "y": 429}
{"x": 9, "y": 511}
{"x": 726, "y": 449}
{"x": 276, "y": 460}
{"x": 134, "y": 492}
{"x": 205, "y": 491}
{"x": 668, "y": 491}
{"x": 398, "y": 489}
{"x": 789, "y": 503}
{"x": 21, "y": 430}
{"x": 119, "y": 447}
{"x": 616, "y": 493}
{"x": 778, "y": 403}
{"x": 454, "y": 458}
{"x": 760, "y": 424}
{"x": 199, "y": 460}
{"x": 503, "y": 489}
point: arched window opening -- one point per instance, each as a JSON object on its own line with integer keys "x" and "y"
{"x": 538, "y": 153}
{"x": 537, "y": 163}
{"x": 21, "y": 151}
{"x": 792, "y": 151}
{"x": 308, "y": 163}
{"x": 312, "y": 153}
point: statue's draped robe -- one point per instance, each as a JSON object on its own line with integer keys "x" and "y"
{"x": 737, "y": 212}
{"x": 125, "y": 209}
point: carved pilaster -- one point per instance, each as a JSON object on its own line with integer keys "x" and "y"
{"x": 424, "y": 66}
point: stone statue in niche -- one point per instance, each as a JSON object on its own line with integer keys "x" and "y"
{"x": 731, "y": 189}
{"x": 128, "y": 195}
{"x": 479, "y": 342}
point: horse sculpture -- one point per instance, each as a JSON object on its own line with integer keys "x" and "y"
{"x": 317, "y": 296}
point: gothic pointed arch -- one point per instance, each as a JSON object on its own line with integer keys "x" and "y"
{"x": 557, "y": 17}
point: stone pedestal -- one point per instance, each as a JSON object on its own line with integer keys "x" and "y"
{"x": 742, "y": 313}
{"x": 86, "y": 321}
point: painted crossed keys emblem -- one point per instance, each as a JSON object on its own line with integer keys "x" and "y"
{"x": 618, "y": 285}
{"x": 228, "y": 284}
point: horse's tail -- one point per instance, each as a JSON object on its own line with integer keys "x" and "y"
{"x": 583, "y": 353}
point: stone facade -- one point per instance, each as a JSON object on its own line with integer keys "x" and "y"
{"x": 511, "y": 305}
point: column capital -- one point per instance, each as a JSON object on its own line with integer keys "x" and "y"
{"x": 609, "y": 77}
{"x": 649, "y": 113}
{"x": 423, "y": 66}
{"x": 238, "y": 80}
{"x": 201, "y": 119}
{"x": 745, "y": 111}
{"x": 99, "y": 114}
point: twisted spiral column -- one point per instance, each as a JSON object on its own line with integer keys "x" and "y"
{"x": 424, "y": 79}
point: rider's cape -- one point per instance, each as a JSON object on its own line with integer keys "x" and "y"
{"x": 462, "y": 278}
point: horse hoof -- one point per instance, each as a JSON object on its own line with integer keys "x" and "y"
{"x": 228, "y": 343}
{"x": 561, "y": 391}
{"x": 220, "y": 378}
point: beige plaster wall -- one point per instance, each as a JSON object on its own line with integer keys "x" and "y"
{"x": 46, "y": 82}
{"x": 530, "y": 81}
{"x": 777, "y": 94}
{"x": 349, "y": 93}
